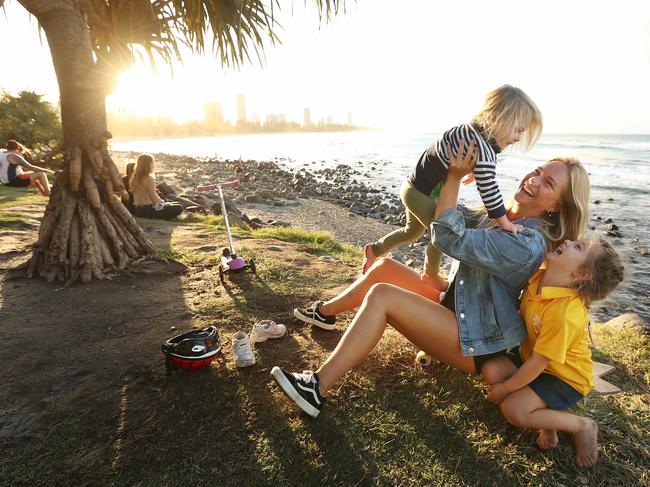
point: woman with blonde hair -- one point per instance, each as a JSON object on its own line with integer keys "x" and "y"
{"x": 146, "y": 202}
{"x": 478, "y": 316}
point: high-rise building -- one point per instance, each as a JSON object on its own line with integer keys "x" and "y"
{"x": 330, "y": 120}
{"x": 349, "y": 118}
{"x": 212, "y": 117}
{"x": 241, "y": 108}
{"x": 306, "y": 119}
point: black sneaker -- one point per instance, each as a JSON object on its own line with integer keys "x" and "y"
{"x": 314, "y": 317}
{"x": 301, "y": 388}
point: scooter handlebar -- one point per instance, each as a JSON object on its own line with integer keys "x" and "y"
{"x": 211, "y": 187}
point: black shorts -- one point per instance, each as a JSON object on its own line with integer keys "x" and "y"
{"x": 19, "y": 182}
{"x": 556, "y": 393}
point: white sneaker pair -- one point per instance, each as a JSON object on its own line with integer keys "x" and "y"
{"x": 241, "y": 345}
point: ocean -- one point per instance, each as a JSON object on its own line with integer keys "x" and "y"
{"x": 619, "y": 168}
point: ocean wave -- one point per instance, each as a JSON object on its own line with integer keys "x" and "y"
{"x": 621, "y": 189}
{"x": 625, "y": 147}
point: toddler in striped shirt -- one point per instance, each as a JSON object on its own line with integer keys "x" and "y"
{"x": 508, "y": 116}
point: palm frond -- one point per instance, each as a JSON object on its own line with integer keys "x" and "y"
{"x": 232, "y": 29}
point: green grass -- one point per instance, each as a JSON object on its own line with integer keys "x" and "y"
{"x": 388, "y": 422}
{"x": 11, "y": 219}
{"x": 626, "y": 347}
{"x": 322, "y": 243}
{"x": 10, "y": 197}
{"x": 187, "y": 257}
{"x": 14, "y": 197}
{"x": 318, "y": 242}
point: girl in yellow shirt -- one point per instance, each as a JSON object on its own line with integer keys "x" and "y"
{"x": 551, "y": 369}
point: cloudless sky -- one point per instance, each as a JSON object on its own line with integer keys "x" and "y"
{"x": 414, "y": 65}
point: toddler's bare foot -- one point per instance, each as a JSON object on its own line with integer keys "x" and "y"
{"x": 369, "y": 258}
{"x": 547, "y": 439}
{"x": 586, "y": 442}
{"x": 436, "y": 281}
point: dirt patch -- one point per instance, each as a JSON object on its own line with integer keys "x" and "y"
{"x": 94, "y": 350}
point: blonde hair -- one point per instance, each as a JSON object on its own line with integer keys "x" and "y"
{"x": 607, "y": 270}
{"x": 505, "y": 110}
{"x": 143, "y": 167}
{"x": 570, "y": 220}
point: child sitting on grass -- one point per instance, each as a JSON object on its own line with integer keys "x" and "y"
{"x": 551, "y": 370}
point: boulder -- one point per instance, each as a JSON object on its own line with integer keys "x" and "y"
{"x": 629, "y": 319}
{"x": 253, "y": 198}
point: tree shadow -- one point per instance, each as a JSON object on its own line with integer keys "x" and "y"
{"x": 68, "y": 350}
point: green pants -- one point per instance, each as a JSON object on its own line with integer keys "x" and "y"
{"x": 420, "y": 210}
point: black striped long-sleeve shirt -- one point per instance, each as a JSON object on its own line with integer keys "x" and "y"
{"x": 431, "y": 170}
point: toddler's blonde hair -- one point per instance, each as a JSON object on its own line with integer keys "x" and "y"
{"x": 505, "y": 110}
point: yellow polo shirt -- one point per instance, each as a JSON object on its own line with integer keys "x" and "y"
{"x": 556, "y": 320}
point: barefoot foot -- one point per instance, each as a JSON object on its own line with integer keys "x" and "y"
{"x": 369, "y": 258}
{"x": 586, "y": 442}
{"x": 547, "y": 439}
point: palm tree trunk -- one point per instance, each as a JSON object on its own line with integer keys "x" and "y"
{"x": 86, "y": 231}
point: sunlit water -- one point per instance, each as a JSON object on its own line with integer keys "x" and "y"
{"x": 619, "y": 167}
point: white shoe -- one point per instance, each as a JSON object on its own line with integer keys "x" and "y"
{"x": 241, "y": 346}
{"x": 267, "y": 329}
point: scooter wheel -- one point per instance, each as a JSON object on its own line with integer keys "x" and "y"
{"x": 225, "y": 252}
{"x": 221, "y": 277}
{"x": 252, "y": 266}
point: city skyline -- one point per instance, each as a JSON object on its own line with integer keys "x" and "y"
{"x": 212, "y": 115}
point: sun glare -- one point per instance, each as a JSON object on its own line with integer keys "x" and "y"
{"x": 142, "y": 92}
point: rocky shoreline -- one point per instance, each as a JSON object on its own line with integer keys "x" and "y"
{"x": 270, "y": 195}
{"x": 330, "y": 199}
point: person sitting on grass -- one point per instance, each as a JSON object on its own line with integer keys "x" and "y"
{"x": 12, "y": 173}
{"x": 146, "y": 202}
{"x": 127, "y": 195}
{"x": 552, "y": 368}
{"x": 479, "y": 315}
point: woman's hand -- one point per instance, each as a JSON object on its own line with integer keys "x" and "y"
{"x": 462, "y": 163}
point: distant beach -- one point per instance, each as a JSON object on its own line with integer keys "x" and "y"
{"x": 619, "y": 167}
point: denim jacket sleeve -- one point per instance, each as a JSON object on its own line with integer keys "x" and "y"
{"x": 493, "y": 249}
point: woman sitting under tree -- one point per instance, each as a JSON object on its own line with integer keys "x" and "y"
{"x": 146, "y": 202}
{"x": 17, "y": 172}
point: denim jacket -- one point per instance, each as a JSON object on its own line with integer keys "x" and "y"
{"x": 494, "y": 265}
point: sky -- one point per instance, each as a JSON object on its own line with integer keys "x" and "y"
{"x": 413, "y": 65}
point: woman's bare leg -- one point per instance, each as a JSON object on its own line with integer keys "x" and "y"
{"x": 384, "y": 270}
{"x": 426, "y": 324}
{"x": 39, "y": 180}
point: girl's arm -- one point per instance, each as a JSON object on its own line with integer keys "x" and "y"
{"x": 527, "y": 373}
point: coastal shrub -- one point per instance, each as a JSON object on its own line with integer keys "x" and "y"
{"x": 29, "y": 119}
